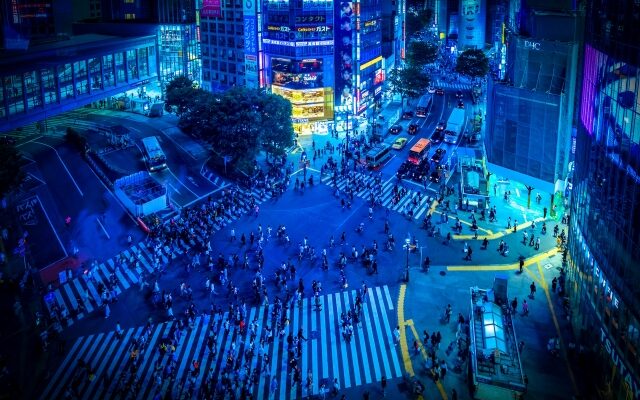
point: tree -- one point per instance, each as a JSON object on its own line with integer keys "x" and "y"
{"x": 409, "y": 82}
{"x": 473, "y": 63}
{"x": 277, "y": 126}
{"x": 417, "y": 18}
{"x": 11, "y": 174}
{"x": 181, "y": 94}
{"x": 421, "y": 53}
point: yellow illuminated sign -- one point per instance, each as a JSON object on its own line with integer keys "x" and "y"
{"x": 307, "y": 96}
{"x": 370, "y": 63}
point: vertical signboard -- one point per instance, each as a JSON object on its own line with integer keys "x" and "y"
{"x": 344, "y": 53}
{"x": 250, "y": 43}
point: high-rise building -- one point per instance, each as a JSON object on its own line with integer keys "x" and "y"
{"x": 603, "y": 272}
{"x": 229, "y": 43}
{"x": 530, "y": 110}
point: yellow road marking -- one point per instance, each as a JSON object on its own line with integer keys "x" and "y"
{"x": 563, "y": 348}
{"x": 469, "y": 223}
{"x": 404, "y": 349}
{"x": 503, "y": 267}
{"x": 491, "y": 236}
{"x": 432, "y": 209}
{"x": 424, "y": 354}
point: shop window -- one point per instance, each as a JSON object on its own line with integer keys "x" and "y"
{"x": 107, "y": 70}
{"x": 32, "y": 85}
{"x": 120, "y": 73}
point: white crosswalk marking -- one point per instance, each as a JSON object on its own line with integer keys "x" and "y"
{"x": 368, "y": 356}
{"x": 453, "y": 85}
{"x": 416, "y": 200}
{"x": 88, "y": 290}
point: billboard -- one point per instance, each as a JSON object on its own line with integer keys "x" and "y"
{"x": 211, "y": 9}
{"x": 344, "y": 54}
{"x": 250, "y": 43}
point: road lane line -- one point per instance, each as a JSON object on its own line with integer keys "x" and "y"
{"x": 423, "y": 353}
{"x": 563, "y": 348}
{"x": 64, "y": 165}
{"x": 404, "y": 349}
{"x": 52, "y": 227}
{"x": 503, "y": 267}
{"x": 103, "y": 229}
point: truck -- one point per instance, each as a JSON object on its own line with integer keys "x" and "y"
{"x": 455, "y": 126}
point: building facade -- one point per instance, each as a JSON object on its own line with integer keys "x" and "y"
{"x": 230, "y": 44}
{"x": 604, "y": 233}
{"x": 65, "y": 75}
{"x": 530, "y": 104}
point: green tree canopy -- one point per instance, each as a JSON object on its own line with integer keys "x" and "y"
{"x": 409, "y": 82}
{"x": 240, "y": 122}
{"x": 473, "y": 63}
{"x": 421, "y": 53}
{"x": 180, "y": 92}
{"x": 11, "y": 174}
{"x": 417, "y": 18}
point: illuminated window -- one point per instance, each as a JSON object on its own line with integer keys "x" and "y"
{"x": 129, "y": 16}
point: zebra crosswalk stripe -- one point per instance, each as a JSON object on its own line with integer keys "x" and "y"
{"x": 368, "y": 356}
{"x": 75, "y": 288}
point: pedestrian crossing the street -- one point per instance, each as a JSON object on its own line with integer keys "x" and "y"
{"x": 419, "y": 205}
{"x": 86, "y": 289}
{"x": 325, "y": 354}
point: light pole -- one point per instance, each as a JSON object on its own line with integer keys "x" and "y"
{"x": 407, "y": 242}
{"x": 344, "y": 110}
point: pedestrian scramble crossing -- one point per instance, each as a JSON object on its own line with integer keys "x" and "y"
{"x": 369, "y": 355}
{"x": 386, "y": 195}
{"x": 85, "y": 288}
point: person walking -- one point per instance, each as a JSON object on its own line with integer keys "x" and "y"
{"x": 383, "y": 385}
{"x": 525, "y": 308}
{"x": 532, "y": 289}
{"x": 469, "y": 252}
{"x": 107, "y": 310}
{"x": 119, "y": 330}
{"x": 554, "y": 284}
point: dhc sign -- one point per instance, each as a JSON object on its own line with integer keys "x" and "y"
{"x": 625, "y": 373}
{"x": 532, "y": 45}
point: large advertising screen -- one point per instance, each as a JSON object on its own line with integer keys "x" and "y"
{"x": 301, "y": 74}
{"x": 344, "y": 54}
{"x": 610, "y": 106}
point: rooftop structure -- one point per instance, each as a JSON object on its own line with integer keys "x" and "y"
{"x": 495, "y": 360}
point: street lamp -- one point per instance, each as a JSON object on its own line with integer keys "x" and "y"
{"x": 343, "y": 109}
{"x": 407, "y": 242}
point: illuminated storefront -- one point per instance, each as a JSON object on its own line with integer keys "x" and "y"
{"x": 302, "y": 84}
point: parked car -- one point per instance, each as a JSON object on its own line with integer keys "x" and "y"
{"x": 439, "y": 91}
{"x": 437, "y": 136}
{"x": 413, "y": 129}
{"x": 399, "y": 143}
{"x": 438, "y": 155}
{"x": 395, "y": 129}
{"x": 407, "y": 115}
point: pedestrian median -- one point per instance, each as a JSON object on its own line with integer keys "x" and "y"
{"x": 504, "y": 267}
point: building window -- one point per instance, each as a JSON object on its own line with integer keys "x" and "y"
{"x": 49, "y": 84}
{"x": 107, "y": 70}
{"x": 120, "y": 67}
{"x": 80, "y": 69}
{"x": 96, "y": 77}
{"x": 132, "y": 64}
{"x": 129, "y": 16}
{"x": 143, "y": 62}
{"x": 66, "y": 81}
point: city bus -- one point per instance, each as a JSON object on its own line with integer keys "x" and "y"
{"x": 153, "y": 154}
{"x": 378, "y": 155}
{"x": 455, "y": 126}
{"x": 419, "y": 151}
{"x": 424, "y": 105}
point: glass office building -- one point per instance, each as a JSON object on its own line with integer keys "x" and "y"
{"x": 604, "y": 232}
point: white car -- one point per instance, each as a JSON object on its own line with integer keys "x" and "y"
{"x": 431, "y": 89}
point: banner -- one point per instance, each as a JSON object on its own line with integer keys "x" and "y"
{"x": 344, "y": 54}
{"x": 211, "y": 9}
